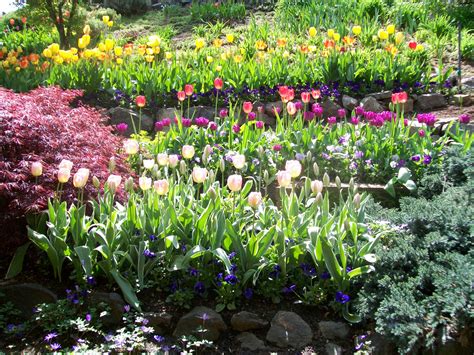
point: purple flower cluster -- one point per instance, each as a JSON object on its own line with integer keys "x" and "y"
{"x": 427, "y": 118}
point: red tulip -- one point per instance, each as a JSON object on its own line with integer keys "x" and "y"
{"x": 399, "y": 97}
{"x": 181, "y": 96}
{"x": 305, "y": 97}
{"x": 316, "y": 94}
{"x": 218, "y": 83}
{"x": 412, "y": 44}
{"x": 140, "y": 101}
{"x": 12, "y": 21}
{"x": 283, "y": 91}
{"x": 248, "y": 106}
{"x": 23, "y": 19}
{"x": 188, "y": 89}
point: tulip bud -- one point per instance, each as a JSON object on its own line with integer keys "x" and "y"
{"x": 239, "y": 161}
{"x": 293, "y": 167}
{"x": 95, "y": 182}
{"x": 351, "y": 184}
{"x": 212, "y": 193}
{"x": 36, "y": 169}
{"x": 222, "y": 165}
{"x": 206, "y": 153}
{"x": 187, "y": 151}
{"x": 260, "y": 151}
{"x": 144, "y": 183}
{"x": 64, "y": 175}
{"x": 113, "y": 182}
{"x": 129, "y": 184}
{"x": 156, "y": 171}
{"x": 131, "y": 146}
{"x": 173, "y": 160}
{"x": 254, "y": 199}
{"x": 112, "y": 164}
{"x": 347, "y": 226}
{"x": 161, "y": 187}
{"x": 316, "y": 186}
{"x": 148, "y": 163}
{"x": 319, "y": 198}
{"x": 266, "y": 177}
{"x": 338, "y": 182}
{"x": 182, "y": 167}
{"x": 309, "y": 156}
{"x": 80, "y": 179}
{"x": 234, "y": 183}
{"x": 356, "y": 200}
{"x": 163, "y": 159}
{"x": 316, "y": 169}
{"x": 283, "y": 178}
{"x": 212, "y": 176}
{"x": 199, "y": 174}
{"x": 65, "y": 164}
{"x": 326, "y": 180}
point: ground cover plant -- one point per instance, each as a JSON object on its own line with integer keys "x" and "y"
{"x": 202, "y": 176}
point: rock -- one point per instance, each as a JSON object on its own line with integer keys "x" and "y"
{"x": 244, "y": 321}
{"x": 250, "y": 342}
{"x": 379, "y": 345}
{"x": 201, "y": 111}
{"x": 349, "y": 102}
{"x": 26, "y": 296}
{"x": 461, "y": 100}
{"x": 289, "y": 329}
{"x": 330, "y": 108}
{"x": 383, "y": 95}
{"x": 369, "y": 103}
{"x": 428, "y": 102}
{"x": 334, "y": 330}
{"x": 161, "y": 320}
{"x": 271, "y": 106}
{"x": 201, "y": 322}
{"x": 167, "y": 113}
{"x": 408, "y": 106}
{"x": 123, "y": 115}
{"x": 468, "y": 83}
{"x": 270, "y": 121}
{"x": 114, "y": 301}
{"x": 333, "y": 349}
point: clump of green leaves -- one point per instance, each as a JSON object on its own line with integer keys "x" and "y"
{"x": 422, "y": 295}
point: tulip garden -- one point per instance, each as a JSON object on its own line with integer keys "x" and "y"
{"x": 231, "y": 177}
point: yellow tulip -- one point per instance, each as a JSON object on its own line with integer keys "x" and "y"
{"x": 156, "y": 50}
{"x": 119, "y": 60}
{"x": 109, "y": 44}
{"x": 110, "y": 23}
{"x": 118, "y": 51}
{"x": 399, "y": 37}
{"x": 330, "y": 33}
{"x": 382, "y": 34}
{"x": 375, "y": 38}
{"x": 209, "y": 59}
{"x": 6, "y": 64}
{"x": 419, "y": 47}
{"x": 243, "y": 51}
{"x": 47, "y": 53}
{"x": 391, "y": 29}
{"x": 168, "y": 55}
{"x": 19, "y": 50}
{"x": 101, "y": 47}
{"x": 17, "y": 69}
{"x": 230, "y": 38}
{"x": 312, "y": 32}
{"x": 105, "y": 19}
{"x": 75, "y": 58}
{"x": 54, "y": 48}
{"x": 73, "y": 50}
{"x": 217, "y": 43}
{"x": 223, "y": 56}
{"x": 238, "y": 58}
{"x": 150, "y": 58}
{"x": 58, "y": 60}
{"x": 356, "y": 30}
{"x": 4, "y": 50}
{"x": 88, "y": 53}
{"x": 286, "y": 54}
{"x": 154, "y": 41}
{"x": 86, "y": 30}
{"x": 200, "y": 43}
{"x": 336, "y": 36}
{"x": 150, "y": 51}
{"x": 219, "y": 68}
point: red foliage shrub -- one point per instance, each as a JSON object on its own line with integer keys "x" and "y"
{"x": 42, "y": 126}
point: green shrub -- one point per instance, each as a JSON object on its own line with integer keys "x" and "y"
{"x": 423, "y": 285}
{"x": 128, "y": 7}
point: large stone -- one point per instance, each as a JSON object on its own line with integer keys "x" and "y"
{"x": 114, "y": 301}
{"x": 202, "y": 322}
{"x": 349, "y": 102}
{"x": 379, "y": 345}
{"x": 370, "y": 103}
{"x": 468, "y": 83}
{"x": 26, "y": 296}
{"x": 427, "y": 102}
{"x": 330, "y": 108}
{"x": 201, "y": 111}
{"x": 167, "y": 113}
{"x": 272, "y": 106}
{"x": 334, "y": 330}
{"x": 159, "y": 320}
{"x": 333, "y": 349}
{"x": 289, "y": 329}
{"x": 250, "y": 341}
{"x": 244, "y": 321}
{"x": 124, "y": 115}
{"x": 383, "y": 95}
{"x": 408, "y": 106}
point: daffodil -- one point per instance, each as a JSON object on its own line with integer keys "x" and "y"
{"x": 330, "y": 33}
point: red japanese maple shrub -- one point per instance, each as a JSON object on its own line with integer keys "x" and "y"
{"x": 43, "y": 126}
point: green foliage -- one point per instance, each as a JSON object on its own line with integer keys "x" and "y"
{"x": 128, "y": 7}
{"x": 211, "y": 11}
{"x": 422, "y": 294}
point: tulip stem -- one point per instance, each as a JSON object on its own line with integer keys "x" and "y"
{"x": 217, "y": 100}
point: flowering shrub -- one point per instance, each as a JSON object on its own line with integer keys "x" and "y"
{"x": 42, "y": 126}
